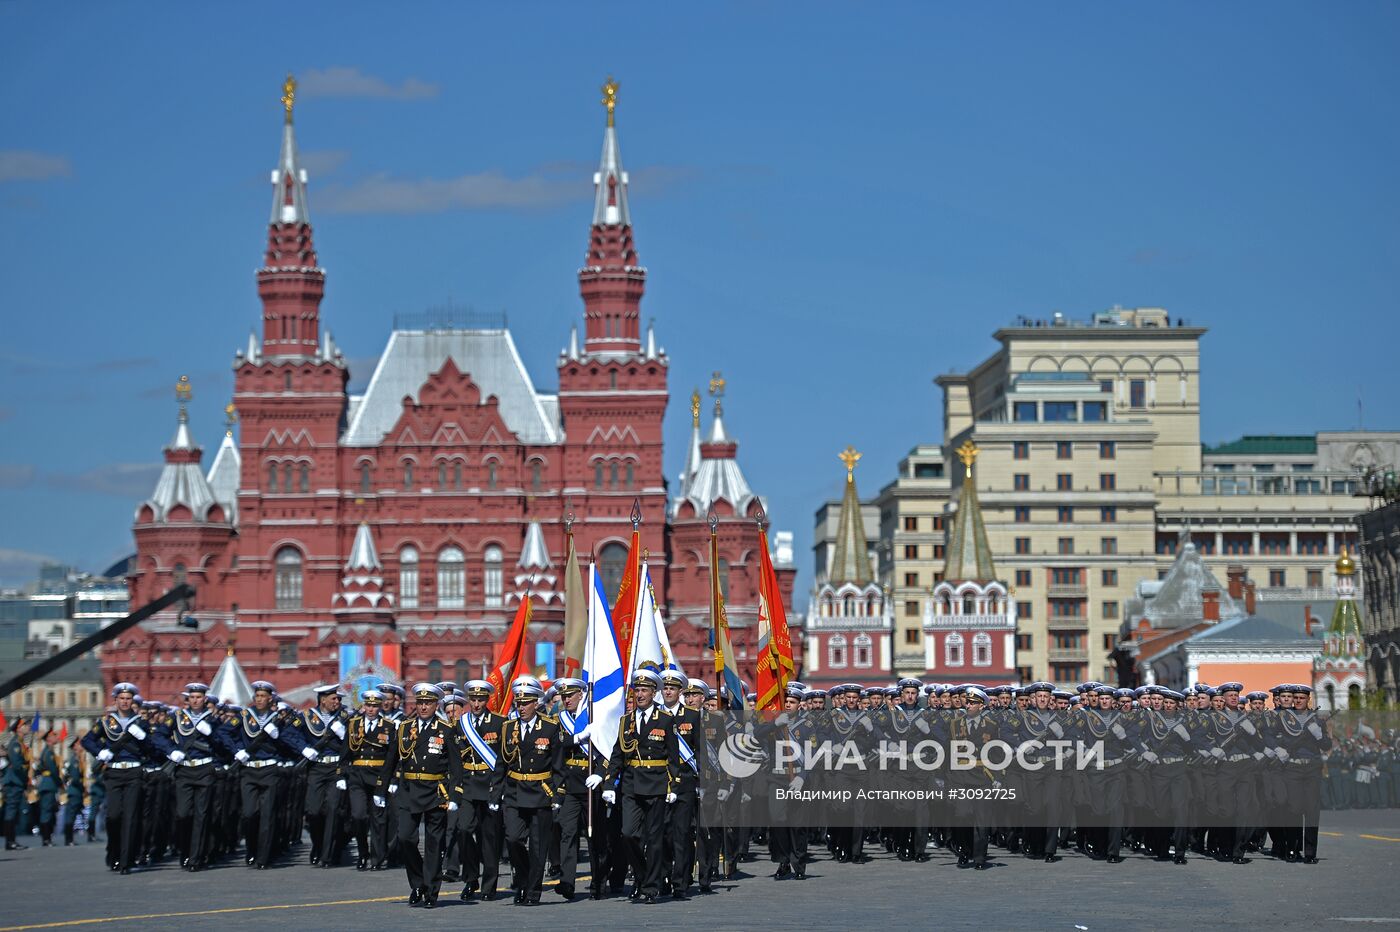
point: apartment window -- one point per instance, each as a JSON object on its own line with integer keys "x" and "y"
{"x": 1066, "y": 608}
{"x": 911, "y": 609}
{"x": 627, "y": 474}
{"x": 1064, "y": 482}
{"x": 938, "y": 551}
{"x": 287, "y": 578}
{"x": 1276, "y": 579}
{"x": 911, "y": 579}
{"x": 1108, "y": 514}
{"x": 1067, "y": 641}
{"x": 836, "y": 651}
{"x": 1137, "y": 393}
{"x": 1021, "y": 482}
{"x": 1108, "y": 545}
{"x": 1066, "y": 576}
{"x": 1024, "y": 641}
{"x": 408, "y": 476}
{"x": 1023, "y": 610}
{"x": 451, "y": 578}
{"x": 1061, "y": 411}
{"x": 1065, "y": 514}
{"x": 1110, "y": 610}
{"x": 1021, "y": 450}
{"x": 938, "y": 523}
{"x": 1065, "y": 545}
{"x": 1108, "y": 449}
{"x": 1023, "y": 577}
{"x": 1068, "y": 672}
{"x": 492, "y": 576}
{"x": 1106, "y": 386}
{"x": 928, "y": 470}
{"x": 982, "y": 650}
{"x": 1024, "y": 411}
{"x": 1064, "y": 449}
{"x": 1023, "y": 514}
{"x": 911, "y": 551}
{"x": 287, "y": 654}
{"x": 911, "y": 523}
{"x": 1314, "y": 579}
{"x": 1023, "y": 545}
{"x": 953, "y": 650}
{"x": 1108, "y": 482}
{"x": 911, "y": 637}
{"x": 1025, "y": 673}
{"x": 1110, "y": 641}
{"x": 612, "y": 475}
{"x": 1095, "y": 411}
{"x": 1110, "y": 577}
{"x": 408, "y": 577}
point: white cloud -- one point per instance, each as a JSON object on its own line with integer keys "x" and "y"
{"x": 27, "y": 165}
{"x": 492, "y": 190}
{"x": 18, "y": 567}
{"x": 352, "y": 82}
{"x": 132, "y": 481}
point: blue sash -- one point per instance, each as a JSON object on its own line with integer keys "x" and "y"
{"x": 567, "y": 720}
{"x": 687, "y": 754}
{"x": 483, "y": 750}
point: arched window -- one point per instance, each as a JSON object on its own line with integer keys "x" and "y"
{"x": 1332, "y": 696}
{"x": 272, "y": 477}
{"x": 178, "y": 575}
{"x": 724, "y": 579}
{"x": 597, "y": 475}
{"x": 461, "y": 672}
{"x": 456, "y": 475}
{"x": 629, "y": 475}
{"x": 305, "y": 478}
{"x": 491, "y": 474}
{"x": 826, "y": 606}
{"x": 836, "y": 651}
{"x": 1353, "y": 696}
{"x": 434, "y": 671}
{"x": 366, "y": 478}
{"x": 408, "y": 475}
{"x": 969, "y": 604}
{"x": 981, "y": 650}
{"x": 442, "y": 475}
{"x": 408, "y": 577}
{"x": 287, "y": 478}
{"x": 864, "y": 653}
{"x": 953, "y": 650}
{"x": 848, "y": 606}
{"x": 536, "y": 476}
{"x": 287, "y": 579}
{"x": 286, "y": 376}
{"x": 451, "y": 578}
{"x": 612, "y": 560}
{"x": 491, "y": 560}
{"x": 612, "y": 475}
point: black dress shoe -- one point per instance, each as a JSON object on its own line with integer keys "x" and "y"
{"x": 315, "y": 860}
{"x": 362, "y": 864}
{"x": 980, "y": 866}
{"x": 649, "y": 899}
{"x": 124, "y": 871}
{"x": 1114, "y": 859}
{"x": 532, "y": 900}
{"x": 1051, "y": 858}
{"x": 416, "y": 897}
{"x": 1179, "y": 859}
{"x": 783, "y": 870}
{"x": 16, "y": 846}
{"x": 554, "y": 873}
{"x": 489, "y": 895}
{"x": 964, "y": 861}
{"x": 566, "y": 890}
{"x": 800, "y": 872}
{"x": 635, "y": 895}
{"x": 1310, "y": 860}
{"x": 706, "y": 888}
{"x": 679, "y": 895}
{"x": 430, "y": 899}
{"x": 595, "y": 894}
{"x": 922, "y": 857}
{"x": 1240, "y": 859}
{"x": 377, "y": 866}
{"x": 519, "y": 897}
{"x": 259, "y": 867}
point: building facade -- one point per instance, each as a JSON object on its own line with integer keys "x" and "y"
{"x": 1380, "y": 573}
{"x": 398, "y": 530}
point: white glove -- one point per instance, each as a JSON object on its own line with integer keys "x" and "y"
{"x": 782, "y": 719}
{"x": 1217, "y": 753}
{"x": 553, "y": 806}
{"x": 494, "y": 807}
{"x": 1056, "y": 730}
{"x": 1150, "y": 756}
{"x": 203, "y": 728}
{"x": 700, "y": 792}
{"x": 581, "y": 735}
{"x": 177, "y": 756}
{"x": 340, "y": 784}
{"x": 452, "y": 807}
{"x": 745, "y": 798}
{"x": 379, "y": 802}
{"x": 309, "y": 753}
{"x": 1258, "y": 755}
{"x": 796, "y": 784}
{"x": 339, "y": 729}
{"x": 4, "y": 762}
{"x": 1268, "y": 752}
{"x": 104, "y": 755}
{"x": 393, "y": 788}
{"x": 1315, "y": 730}
{"x": 1118, "y": 731}
{"x": 1282, "y": 755}
{"x": 866, "y": 722}
{"x": 594, "y": 781}
{"x": 1247, "y": 725}
{"x": 609, "y": 796}
{"x": 670, "y": 798}
{"x": 242, "y": 757}
{"x": 137, "y": 732}
{"x": 721, "y": 794}
{"x": 271, "y": 730}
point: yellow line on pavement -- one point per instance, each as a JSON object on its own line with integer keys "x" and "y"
{"x": 1332, "y": 834}
{"x": 1380, "y": 838}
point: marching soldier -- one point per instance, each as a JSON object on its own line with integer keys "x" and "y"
{"x": 367, "y": 748}
{"x": 681, "y": 816}
{"x": 644, "y": 766}
{"x": 204, "y": 743}
{"x": 527, "y": 786}
{"x": 121, "y": 741}
{"x": 424, "y": 769}
{"x": 74, "y": 798}
{"x": 479, "y": 826}
{"x": 572, "y": 819}
{"x": 323, "y": 730}
{"x": 260, "y": 745}
{"x": 48, "y": 780}
{"x": 15, "y": 764}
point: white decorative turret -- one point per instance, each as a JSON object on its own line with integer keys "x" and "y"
{"x": 182, "y": 493}
{"x": 534, "y": 566}
{"x": 224, "y": 473}
{"x": 362, "y": 585}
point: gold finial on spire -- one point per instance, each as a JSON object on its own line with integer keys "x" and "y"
{"x": 968, "y": 454}
{"x": 1346, "y": 566}
{"x": 183, "y": 391}
{"x": 695, "y": 408}
{"x": 289, "y": 95}
{"x": 717, "y": 384}
{"x": 610, "y": 97}
{"x": 230, "y": 418}
{"x": 850, "y": 457}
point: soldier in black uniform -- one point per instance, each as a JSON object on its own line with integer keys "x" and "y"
{"x": 204, "y": 743}
{"x": 261, "y": 746}
{"x": 367, "y": 738}
{"x": 424, "y": 769}
{"x": 479, "y": 733}
{"x": 681, "y": 816}
{"x": 572, "y": 820}
{"x": 527, "y": 786}
{"x": 324, "y": 729}
{"x": 644, "y": 766}
{"x": 123, "y": 742}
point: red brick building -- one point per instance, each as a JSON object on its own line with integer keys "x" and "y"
{"x": 396, "y": 531}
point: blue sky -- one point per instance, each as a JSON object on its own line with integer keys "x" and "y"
{"x": 836, "y": 203}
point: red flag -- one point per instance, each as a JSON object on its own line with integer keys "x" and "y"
{"x": 511, "y": 658}
{"x": 624, "y": 616}
{"x": 63, "y": 734}
{"x": 4, "y": 725}
{"x": 775, "y": 666}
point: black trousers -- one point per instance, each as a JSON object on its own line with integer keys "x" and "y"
{"x": 527, "y": 835}
{"x": 682, "y": 825}
{"x": 422, "y": 867}
{"x": 124, "y": 792}
{"x": 258, "y": 791}
{"x": 322, "y": 807}
{"x": 643, "y": 830}
{"x": 570, "y": 826}
{"x": 194, "y": 794}
{"x": 480, "y": 843}
{"x": 367, "y": 821}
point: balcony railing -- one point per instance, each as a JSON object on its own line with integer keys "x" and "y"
{"x": 1068, "y": 654}
{"x": 1068, "y": 622}
{"x": 1074, "y": 591}
{"x": 1258, "y": 483}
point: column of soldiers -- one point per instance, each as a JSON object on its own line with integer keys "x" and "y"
{"x": 1213, "y": 771}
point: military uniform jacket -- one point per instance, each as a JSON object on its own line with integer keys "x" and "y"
{"x": 531, "y": 771}
{"x": 16, "y": 764}
{"x": 110, "y": 733}
{"x": 577, "y": 765}
{"x": 73, "y": 776}
{"x": 425, "y": 763}
{"x": 367, "y": 742}
{"x": 478, "y": 772}
{"x": 251, "y": 734}
{"x": 201, "y": 737}
{"x": 328, "y": 737}
{"x": 691, "y": 730}
{"x": 645, "y": 762}
{"x": 47, "y": 778}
